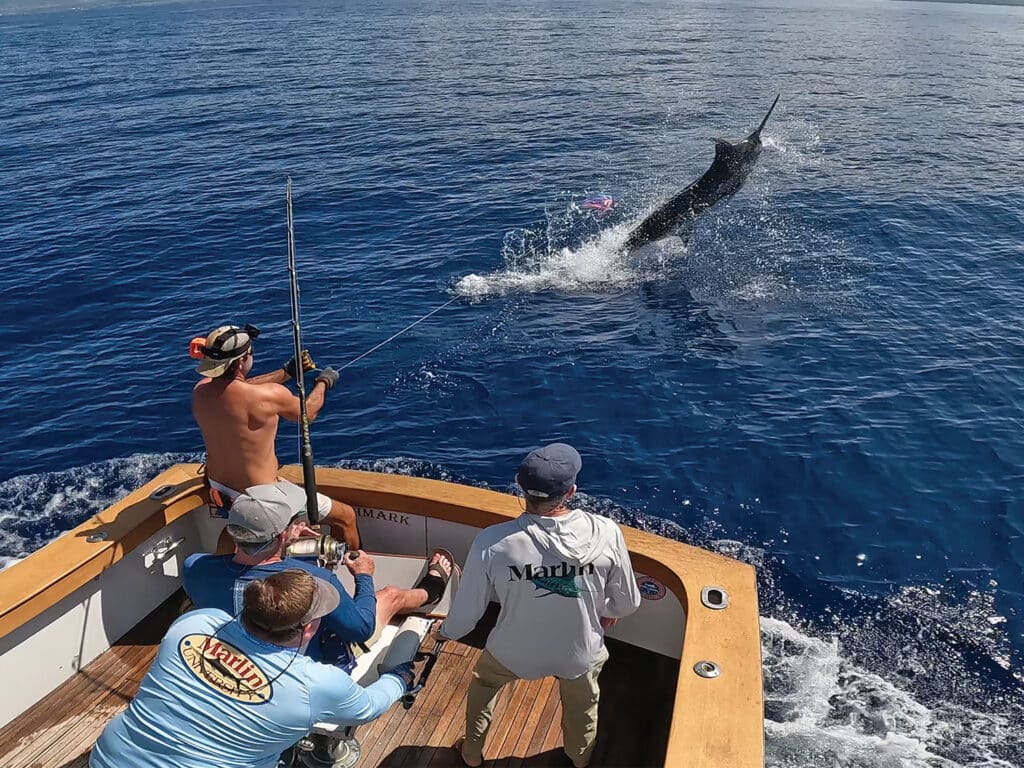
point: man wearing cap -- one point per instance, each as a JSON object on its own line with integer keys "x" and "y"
{"x": 263, "y": 522}
{"x": 562, "y": 577}
{"x": 237, "y": 691}
{"x": 238, "y": 417}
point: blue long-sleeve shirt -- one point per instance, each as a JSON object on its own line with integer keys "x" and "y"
{"x": 218, "y": 696}
{"x": 216, "y": 581}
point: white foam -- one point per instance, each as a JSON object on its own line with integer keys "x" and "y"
{"x": 595, "y": 265}
{"x": 820, "y": 709}
{"x": 35, "y": 509}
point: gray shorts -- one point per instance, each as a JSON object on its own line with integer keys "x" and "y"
{"x": 323, "y": 503}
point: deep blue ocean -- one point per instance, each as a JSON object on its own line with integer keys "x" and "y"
{"x": 826, "y": 381}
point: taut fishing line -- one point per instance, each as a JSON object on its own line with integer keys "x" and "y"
{"x": 431, "y": 313}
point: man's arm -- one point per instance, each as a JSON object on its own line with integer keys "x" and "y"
{"x": 286, "y": 372}
{"x": 280, "y": 376}
{"x": 622, "y": 595}
{"x": 286, "y": 404}
{"x": 355, "y": 618}
{"x": 471, "y": 598}
{"x": 336, "y": 698}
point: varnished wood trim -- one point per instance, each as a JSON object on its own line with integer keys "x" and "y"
{"x": 716, "y": 723}
{"x": 29, "y": 587}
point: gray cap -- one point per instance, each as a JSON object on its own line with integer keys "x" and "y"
{"x": 326, "y": 599}
{"x": 264, "y": 511}
{"x": 549, "y": 471}
{"x": 223, "y": 346}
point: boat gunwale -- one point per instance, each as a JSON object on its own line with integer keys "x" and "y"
{"x": 726, "y": 729}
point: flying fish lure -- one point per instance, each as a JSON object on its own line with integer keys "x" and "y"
{"x": 601, "y": 205}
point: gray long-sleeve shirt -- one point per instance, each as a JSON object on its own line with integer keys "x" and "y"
{"x": 555, "y": 577}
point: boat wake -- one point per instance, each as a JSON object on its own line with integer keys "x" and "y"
{"x": 917, "y": 679}
{"x": 821, "y": 708}
{"x": 35, "y": 509}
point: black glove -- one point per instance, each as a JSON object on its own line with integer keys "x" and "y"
{"x": 405, "y": 672}
{"x": 329, "y": 377}
{"x": 307, "y": 364}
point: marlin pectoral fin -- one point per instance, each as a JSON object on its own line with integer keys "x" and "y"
{"x": 684, "y": 230}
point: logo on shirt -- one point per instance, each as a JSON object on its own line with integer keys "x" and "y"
{"x": 225, "y": 669}
{"x": 650, "y": 589}
{"x": 552, "y": 579}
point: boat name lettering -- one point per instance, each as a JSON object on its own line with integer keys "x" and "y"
{"x": 379, "y": 514}
{"x": 561, "y": 571}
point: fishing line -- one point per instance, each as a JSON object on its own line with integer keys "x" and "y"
{"x": 431, "y": 313}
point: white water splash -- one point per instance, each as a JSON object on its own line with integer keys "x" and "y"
{"x": 798, "y": 145}
{"x": 822, "y": 710}
{"x": 744, "y": 251}
{"x": 596, "y": 265}
{"x": 35, "y": 509}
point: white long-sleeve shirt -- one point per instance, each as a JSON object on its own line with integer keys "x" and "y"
{"x": 555, "y": 577}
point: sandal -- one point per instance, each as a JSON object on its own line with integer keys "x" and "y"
{"x": 437, "y": 578}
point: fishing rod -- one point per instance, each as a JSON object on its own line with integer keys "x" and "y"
{"x": 305, "y": 448}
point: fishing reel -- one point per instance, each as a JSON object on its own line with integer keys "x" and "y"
{"x": 325, "y": 548}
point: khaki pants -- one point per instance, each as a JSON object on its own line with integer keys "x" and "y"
{"x": 579, "y": 707}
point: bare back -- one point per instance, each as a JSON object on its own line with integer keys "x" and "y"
{"x": 239, "y": 424}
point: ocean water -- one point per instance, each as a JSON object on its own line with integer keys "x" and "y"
{"x": 826, "y": 381}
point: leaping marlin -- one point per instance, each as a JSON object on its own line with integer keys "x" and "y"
{"x": 731, "y": 166}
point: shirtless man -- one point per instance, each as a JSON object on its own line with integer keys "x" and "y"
{"x": 238, "y": 417}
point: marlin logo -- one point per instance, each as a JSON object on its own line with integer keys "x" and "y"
{"x": 225, "y": 669}
{"x": 558, "y": 585}
{"x": 553, "y": 579}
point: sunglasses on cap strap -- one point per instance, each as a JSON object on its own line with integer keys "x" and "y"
{"x": 197, "y": 348}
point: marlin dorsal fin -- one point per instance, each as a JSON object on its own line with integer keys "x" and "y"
{"x": 723, "y": 148}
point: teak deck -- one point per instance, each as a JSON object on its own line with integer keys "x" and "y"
{"x": 637, "y": 691}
